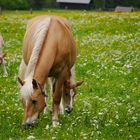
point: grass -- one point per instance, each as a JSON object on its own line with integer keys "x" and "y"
{"x": 108, "y": 60}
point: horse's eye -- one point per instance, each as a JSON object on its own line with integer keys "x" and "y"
{"x": 34, "y": 102}
{"x": 67, "y": 94}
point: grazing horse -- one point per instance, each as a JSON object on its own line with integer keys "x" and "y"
{"x": 2, "y": 61}
{"x": 48, "y": 51}
{"x": 68, "y": 93}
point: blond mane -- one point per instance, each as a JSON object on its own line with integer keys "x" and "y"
{"x": 38, "y": 40}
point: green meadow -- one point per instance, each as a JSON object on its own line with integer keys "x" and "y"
{"x": 107, "y": 105}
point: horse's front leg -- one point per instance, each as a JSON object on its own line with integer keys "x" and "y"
{"x": 57, "y": 89}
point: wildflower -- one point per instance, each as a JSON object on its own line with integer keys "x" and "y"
{"x": 30, "y": 137}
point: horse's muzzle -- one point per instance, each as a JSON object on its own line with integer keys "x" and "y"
{"x": 27, "y": 125}
{"x": 68, "y": 109}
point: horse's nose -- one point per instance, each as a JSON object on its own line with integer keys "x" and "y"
{"x": 27, "y": 125}
{"x": 68, "y": 109}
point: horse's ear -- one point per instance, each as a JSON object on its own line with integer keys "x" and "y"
{"x": 20, "y": 81}
{"x": 35, "y": 84}
{"x": 79, "y": 83}
{"x": 4, "y": 55}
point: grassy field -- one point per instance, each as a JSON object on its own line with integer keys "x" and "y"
{"x": 107, "y": 106}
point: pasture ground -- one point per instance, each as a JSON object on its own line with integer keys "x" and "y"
{"x": 107, "y": 105}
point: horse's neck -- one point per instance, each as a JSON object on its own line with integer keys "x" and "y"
{"x": 41, "y": 78}
{"x": 40, "y": 74}
{"x": 45, "y": 62}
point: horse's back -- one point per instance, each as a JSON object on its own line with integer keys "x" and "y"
{"x": 60, "y": 34}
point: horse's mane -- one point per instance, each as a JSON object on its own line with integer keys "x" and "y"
{"x": 72, "y": 77}
{"x": 38, "y": 40}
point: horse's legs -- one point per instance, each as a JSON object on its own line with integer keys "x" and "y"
{"x": 51, "y": 82}
{"x": 57, "y": 93}
{"x": 45, "y": 89}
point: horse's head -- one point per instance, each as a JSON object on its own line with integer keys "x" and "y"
{"x": 69, "y": 92}
{"x": 32, "y": 98}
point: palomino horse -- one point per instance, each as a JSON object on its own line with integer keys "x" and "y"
{"x": 48, "y": 51}
{"x": 2, "y": 61}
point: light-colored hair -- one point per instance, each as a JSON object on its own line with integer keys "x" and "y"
{"x": 72, "y": 77}
{"x": 38, "y": 39}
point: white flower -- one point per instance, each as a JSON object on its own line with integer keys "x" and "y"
{"x": 30, "y": 138}
{"x": 47, "y": 127}
{"x": 117, "y": 116}
{"x": 100, "y": 113}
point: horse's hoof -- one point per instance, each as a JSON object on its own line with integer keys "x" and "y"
{"x": 68, "y": 109}
{"x": 27, "y": 125}
{"x": 5, "y": 75}
{"x": 55, "y": 124}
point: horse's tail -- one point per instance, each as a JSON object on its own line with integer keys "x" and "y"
{"x": 38, "y": 38}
